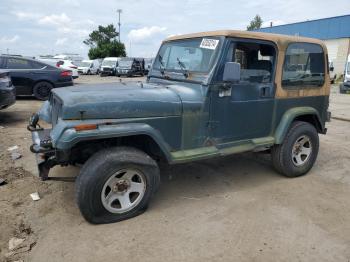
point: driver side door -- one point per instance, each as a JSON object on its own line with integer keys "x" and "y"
{"x": 244, "y": 110}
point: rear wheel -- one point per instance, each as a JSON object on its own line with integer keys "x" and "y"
{"x": 298, "y": 151}
{"x": 116, "y": 184}
{"x": 42, "y": 90}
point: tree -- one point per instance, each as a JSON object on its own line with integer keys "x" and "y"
{"x": 255, "y": 23}
{"x": 103, "y": 43}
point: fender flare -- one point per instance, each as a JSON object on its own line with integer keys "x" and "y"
{"x": 289, "y": 116}
{"x": 71, "y": 137}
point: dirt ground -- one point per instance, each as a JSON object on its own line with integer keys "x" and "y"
{"x": 231, "y": 209}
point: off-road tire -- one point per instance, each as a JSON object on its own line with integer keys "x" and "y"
{"x": 42, "y": 90}
{"x": 282, "y": 154}
{"x": 99, "y": 168}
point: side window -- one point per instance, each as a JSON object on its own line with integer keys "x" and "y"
{"x": 17, "y": 63}
{"x": 256, "y": 60}
{"x": 37, "y": 65}
{"x": 304, "y": 66}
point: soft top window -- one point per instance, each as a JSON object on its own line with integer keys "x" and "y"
{"x": 304, "y": 66}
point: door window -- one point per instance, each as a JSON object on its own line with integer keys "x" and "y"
{"x": 17, "y": 63}
{"x": 37, "y": 65}
{"x": 256, "y": 60}
{"x": 304, "y": 66}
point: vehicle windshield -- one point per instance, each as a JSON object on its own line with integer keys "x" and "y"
{"x": 348, "y": 69}
{"x": 109, "y": 63}
{"x": 125, "y": 63}
{"x": 193, "y": 55}
{"x": 84, "y": 64}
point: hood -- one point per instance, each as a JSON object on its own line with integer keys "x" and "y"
{"x": 117, "y": 100}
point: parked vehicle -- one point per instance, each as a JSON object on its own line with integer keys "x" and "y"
{"x": 89, "y": 67}
{"x": 75, "y": 58}
{"x": 109, "y": 66}
{"x": 130, "y": 66}
{"x": 148, "y": 64}
{"x": 207, "y": 95}
{"x": 61, "y": 63}
{"x": 332, "y": 74}
{"x": 68, "y": 65}
{"x": 344, "y": 88}
{"x": 32, "y": 77}
{"x": 7, "y": 90}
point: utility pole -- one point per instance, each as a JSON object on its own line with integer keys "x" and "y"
{"x": 119, "y": 12}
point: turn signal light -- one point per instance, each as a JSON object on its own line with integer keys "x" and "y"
{"x": 83, "y": 127}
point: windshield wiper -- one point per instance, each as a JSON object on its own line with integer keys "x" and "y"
{"x": 183, "y": 67}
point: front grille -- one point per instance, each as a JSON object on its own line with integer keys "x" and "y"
{"x": 56, "y": 106}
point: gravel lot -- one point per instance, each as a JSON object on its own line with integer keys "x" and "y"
{"x": 230, "y": 209}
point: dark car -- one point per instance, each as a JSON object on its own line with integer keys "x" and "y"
{"x": 130, "y": 66}
{"x": 7, "y": 90}
{"x": 31, "y": 77}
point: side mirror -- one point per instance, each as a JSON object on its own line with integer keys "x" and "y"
{"x": 232, "y": 72}
{"x": 331, "y": 69}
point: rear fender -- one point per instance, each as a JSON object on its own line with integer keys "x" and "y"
{"x": 289, "y": 116}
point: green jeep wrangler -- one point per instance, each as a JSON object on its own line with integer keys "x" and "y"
{"x": 207, "y": 95}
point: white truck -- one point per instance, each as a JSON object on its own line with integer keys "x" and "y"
{"x": 344, "y": 88}
{"x": 89, "y": 67}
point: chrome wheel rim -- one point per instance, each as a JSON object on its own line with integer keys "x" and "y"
{"x": 123, "y": 190}
{"x": 302, "y": 150}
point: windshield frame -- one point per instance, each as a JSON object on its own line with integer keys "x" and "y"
{"x": 193, "y": 76}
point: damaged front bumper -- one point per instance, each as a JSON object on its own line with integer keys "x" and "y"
{"x": 42, "y": 147}
{"x": 44, "y": 153}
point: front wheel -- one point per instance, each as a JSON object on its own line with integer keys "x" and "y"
{"x": 116, "y": 184}
{"x": 298, "y": 151}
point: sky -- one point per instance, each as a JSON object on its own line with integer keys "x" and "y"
{"x": 42, "y": 27}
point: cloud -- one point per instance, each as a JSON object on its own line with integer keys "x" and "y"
{"x": 137, "y": 35}
{"x": 55, "y": 20}
{"x": 61, "y": 41}
{"x": 25, "y": 15}
{"x": 9, "y": 40}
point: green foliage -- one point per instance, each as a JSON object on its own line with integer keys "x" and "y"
{"x": 255, "y": 23}
{"x": 103, "y": 43}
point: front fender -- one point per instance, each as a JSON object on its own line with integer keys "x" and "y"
{"x": 70, "y": 136}
{"x": 288, "y": 118}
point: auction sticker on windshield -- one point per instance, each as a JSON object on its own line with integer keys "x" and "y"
{"x": 209, "y": 43}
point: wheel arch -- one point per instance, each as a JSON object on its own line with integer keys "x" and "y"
{"x": 306, "y": 114}
{"x": 141, "y": 136}
{"x": 42, "y": 80}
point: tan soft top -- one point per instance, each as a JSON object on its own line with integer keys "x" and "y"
{"x": 280, "y": 40}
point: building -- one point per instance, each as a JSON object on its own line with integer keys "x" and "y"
{"x": 335, "y": 31}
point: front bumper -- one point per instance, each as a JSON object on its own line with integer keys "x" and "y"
{"x": 44, "y": 153}
{"x": 7, "y": 97}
